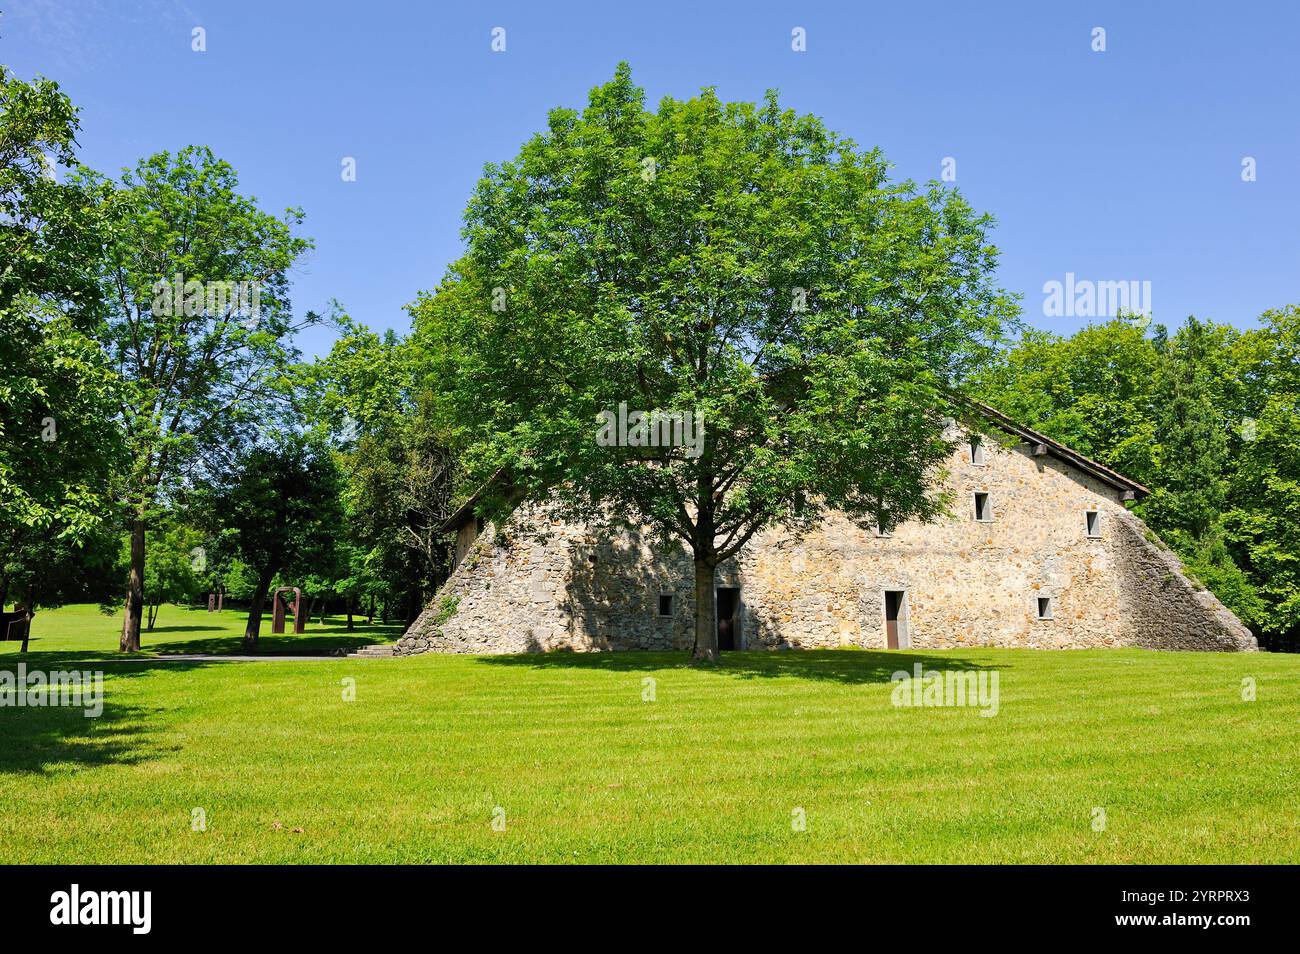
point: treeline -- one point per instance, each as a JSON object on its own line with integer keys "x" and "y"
{"x": 161, "y": 436}
{"x": 1208, "y": 417}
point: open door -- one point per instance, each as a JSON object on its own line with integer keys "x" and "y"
{"x": 895, "y": 623}
{"x": 728, "y": 602}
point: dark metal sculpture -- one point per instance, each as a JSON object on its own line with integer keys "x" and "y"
{"x": 16, "y": 626}
{"x": 277, "y": 612}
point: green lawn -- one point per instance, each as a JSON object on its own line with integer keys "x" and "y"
{"x": 83, "y": 629}
{"x": 711, "y": 770}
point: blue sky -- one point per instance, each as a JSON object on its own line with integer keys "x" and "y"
{"x": 1123, "y": 165}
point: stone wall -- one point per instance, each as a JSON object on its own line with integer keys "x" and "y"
{"x": 967, "y": 582}
{"x": 1159, "y": 594}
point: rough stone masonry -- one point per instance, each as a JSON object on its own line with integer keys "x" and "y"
{"x": 1049, "y": 558}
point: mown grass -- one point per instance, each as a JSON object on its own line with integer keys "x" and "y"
{"x": 83, "y": 628}
{"x": 712, "y": 770}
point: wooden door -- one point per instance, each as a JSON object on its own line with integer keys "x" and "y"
{"x": 893, "y": 607}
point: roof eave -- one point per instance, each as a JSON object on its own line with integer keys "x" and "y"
{"x": 1103, "y": 473}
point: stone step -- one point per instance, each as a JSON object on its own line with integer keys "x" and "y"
{"x": 371, "y": 652}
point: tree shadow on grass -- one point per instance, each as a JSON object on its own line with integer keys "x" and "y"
{"x": 324, "y": 644}
{"x": 849, "y": 667}
{"x": 38, "y": 739}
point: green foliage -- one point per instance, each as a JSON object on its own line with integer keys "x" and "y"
{"x": 736, "y": 261}
{"x": 1091, "y": 391}
{"x": 195, "y": 380}
{"x": 1191, "y": 455}
{"x": 276, "y": 509}
{"x": 58, "y": 444}
{"x": 174, "y": 567}
{"x": 49, "y": 231}
{"x": 200, "y": 372}
{"x": 446, "y": 609}
{"x": 232, "y": 575}
{"x": 1263, "y": 521}
{"x": 368, "y": 396}
{"x": 1209, "y": 419}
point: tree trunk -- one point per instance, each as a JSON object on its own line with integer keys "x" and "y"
{"x": 254, "y": 626}
{"x": 28, "y": 603}
{"x": 370, "y": 614}
{"x": 151, "y": 617}
{"x": 130, "y": 642}
{"x": 350, "y": 601}
{"x": 706, "y": 629}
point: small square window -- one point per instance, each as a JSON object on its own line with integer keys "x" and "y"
{"x": 983, "y": 507}
{"x": 976, "y": 450}
{"x": 1094, "y": 523}
{"x": 1044, "y": 607}
{"x": 665, "y": 604}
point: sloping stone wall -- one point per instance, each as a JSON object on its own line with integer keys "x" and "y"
{"x": 1158, "y": 599}
{"x": 967, "y": 582}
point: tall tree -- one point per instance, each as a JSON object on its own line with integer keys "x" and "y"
{"x": 733, "y": 262}
{"x": 58, "y": 440}
{"x": 198, "y": 324}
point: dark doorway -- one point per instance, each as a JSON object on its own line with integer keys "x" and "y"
{"x": 728, "y": 603}
{"x": 893, "y": 610}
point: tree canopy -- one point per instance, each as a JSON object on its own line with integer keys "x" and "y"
{"x": 738, "y": 268}
{"x": 58, "y": 442}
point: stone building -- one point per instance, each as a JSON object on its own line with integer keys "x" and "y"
{"x": 1039, "y": 551}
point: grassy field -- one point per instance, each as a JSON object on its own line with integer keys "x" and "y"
{"x": 581, "y": 767}
{"x": 83, "y": 629}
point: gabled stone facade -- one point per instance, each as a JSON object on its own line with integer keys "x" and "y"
{"x": 1036, "y": 572}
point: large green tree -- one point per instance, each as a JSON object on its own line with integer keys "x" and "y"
{"x": 736, "y": 262}
{"x": 58, "y": 439}
{"x": 203, "y": 357}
